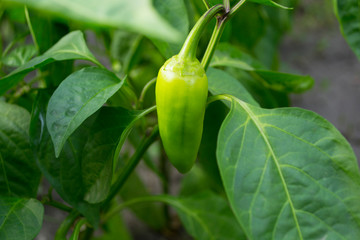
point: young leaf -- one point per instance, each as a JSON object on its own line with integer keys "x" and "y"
{"x": 77, "y": 97}
{"x": 347, "y": 13}
{"x": 72, "y": 46}
{"x": 206, "y": 216}
{"x": 229, "y": 56}
{"x": 20, "y": 218}
{"x": 288, "y": 174}
{"x": 19, "y": 173}
{"x": 136, "y": 15}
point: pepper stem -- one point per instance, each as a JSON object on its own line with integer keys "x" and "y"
{"x": 190, "y": 46}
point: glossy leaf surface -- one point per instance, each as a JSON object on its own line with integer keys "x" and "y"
{"x": 71, "y": 46}
{"x": 77, "y": 97}
{"x": 288, "y": 174}
{"x": 135, "y": 15}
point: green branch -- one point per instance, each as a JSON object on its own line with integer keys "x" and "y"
{"x": 130, "y": 166}
{"x": 190, "y": 46}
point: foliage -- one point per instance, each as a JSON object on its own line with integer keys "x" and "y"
{"x": 77, "y": 86}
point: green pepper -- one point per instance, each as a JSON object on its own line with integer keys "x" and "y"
{"x": 181, "y": 93}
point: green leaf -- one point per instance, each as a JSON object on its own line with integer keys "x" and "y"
{"x": 348, "y": 15}
{"x": 19, "y": 56}
{"x": 77, "y": 97}
{"x": 83, "y": 172}
{"x": 267, "y": 98}
{"x": 206, "y": 216}
{"x": 71, "y": 46}
{"x": 63, "y": 173}
{"x": 137, "y": 15}
{"x": 20, "y": 218}
{"x": 174, "y": 11}
{"x": 288, "y": 174}
{"x": 221, "y": 82}
{"x": 229, "y": 56}
{"x": 19, "y": 175}
{"x": 284, "y": 82}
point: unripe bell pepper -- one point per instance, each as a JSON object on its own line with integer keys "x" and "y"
{"x": 181, "y": 93}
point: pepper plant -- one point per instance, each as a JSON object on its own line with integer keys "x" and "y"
{"x": 79, "y": 112}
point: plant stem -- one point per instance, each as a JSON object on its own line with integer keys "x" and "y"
{"x": 218, "y": 30}
{"x": 120, "y": 207}
{"x": 27, "y": 16}
{"x": 214, "y": 40}
{"x": 59, "y": 205}
{"x": 144, "y": 90}
{"x": 226, "y": 4}
{"x": 206, "y": 4}
{"x": 189, "y": 48}
{"x": 214, "y": 98}
{"x": 65, "y": 225}
{"x": 76, "y": 232}
{"x": 130, "y": 166}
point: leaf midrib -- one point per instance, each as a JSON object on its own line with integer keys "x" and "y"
{"x": 263, "y": 135}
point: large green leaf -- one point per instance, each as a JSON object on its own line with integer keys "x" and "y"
{"x": 77, "y": 97}
{"x": 20, "y": 218}
{"x": 288, "y": 174}
{"x": 135, "y": 15}
{"x": 19, "y": 173}
{"x": 206, "y": 216}
{"x": 348, "y": 15}
{"x": 72, "y": 46}
{"x": 229, "y": 56}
